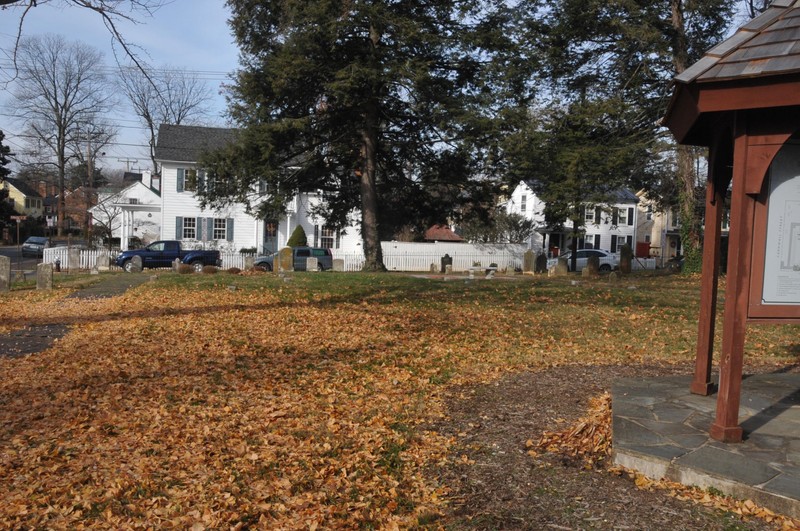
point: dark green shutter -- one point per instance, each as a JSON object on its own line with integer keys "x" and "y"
{"x": 230, "y": 229}
{"x": 615, "y": 217}
{"x": 630, "y": 216}
{"x": 178, "y": 228}
{"x": 597, "y": 215}
{"x": 613, "y": 243}
{"x": 181, "y": 178}
{"x": 596, "y": 241}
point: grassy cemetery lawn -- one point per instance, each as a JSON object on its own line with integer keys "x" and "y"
{"x": 344, "y": 401}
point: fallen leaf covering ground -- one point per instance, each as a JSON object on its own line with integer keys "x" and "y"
{"x": 220, "y": 401}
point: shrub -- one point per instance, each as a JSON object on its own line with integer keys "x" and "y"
{"x": 185, "y": 269}
{"x": 298, "y": 238}
{"x": 210, "y": 270}
{"x": 234, "y": 270}
{"x": 248, "y": 250}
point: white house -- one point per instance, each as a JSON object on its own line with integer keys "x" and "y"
{"x": 131, "y": 212}
{"x": 606, "y": 227}
{"x": 230, "y": 228}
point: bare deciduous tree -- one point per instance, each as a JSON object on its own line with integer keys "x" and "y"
{"x": 164, "y": 96}
{"x": 111, "y": 12}
{"x": 61, "y": 93}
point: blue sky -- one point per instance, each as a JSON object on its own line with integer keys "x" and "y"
{"x": 189, "y": 34}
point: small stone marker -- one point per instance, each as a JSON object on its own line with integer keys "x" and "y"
{"x": 44, "y": 276}
{"x": 312, "y": 263}
{"x": 561, "y": 267}
{"x": 74, "y": 259}
{"x": 338, "y": 264}
{"x": 613, "y": 277}
{"x": 592, "y": 267}
{"x": 433, "y": 268}
{"x": 541, "y": 263}
{"x": 249, "y": 262}
{"x": 529, "y": 262}
{"x": 95, "y": 270}
{"x": 448, "y": 269}
{"x": 176, "y": 264}
{"x": 5, "y": 273}
{"x": 285, "y": 262}
{"x": 102, "y": 260}
{"x": 136, "y": 264}
{"x": 625, "y": 259}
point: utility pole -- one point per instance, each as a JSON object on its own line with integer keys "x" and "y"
{"x": 127, "y": 163}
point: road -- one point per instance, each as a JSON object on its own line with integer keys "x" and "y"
{"x": 17, "y": 261}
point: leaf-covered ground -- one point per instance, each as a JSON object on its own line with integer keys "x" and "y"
{"x": 317, "y": 401}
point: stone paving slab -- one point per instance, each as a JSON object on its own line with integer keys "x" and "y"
{"x": 661, "y": 430}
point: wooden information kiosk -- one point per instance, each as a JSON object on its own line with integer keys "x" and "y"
{"x": 742, "y": 101}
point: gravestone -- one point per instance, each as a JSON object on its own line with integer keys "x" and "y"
{"x": 102, "y": 261}
{"x": 529, "y": 262}
{"x": 176, "y": 264}
{"x": 448, "y": 269}
{"x": 338, "y": 264}
{"x": 592, "y": 267}
{"x": 249, "y": 262}
{"x": 541, "y": 263}
{"x": 613, "y": 277}
{"x": 95, "y": 270}
{"x": 285, "y": 261}
{"x": 44, "y": 276}
{"x": 625, "y": 259}
{"x": 433, "y": 268}
{"x": 561, "y": 267}
{"x": 136, "y": 264}
{"x": 5, "y": 273}
{"x": 312, "y": 263}
{"x": 74, "y": 259}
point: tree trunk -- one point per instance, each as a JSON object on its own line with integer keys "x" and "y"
{"x": 369, "y": 148}
{"x": 369, "y": 197}
{"x": 691, "y": 224}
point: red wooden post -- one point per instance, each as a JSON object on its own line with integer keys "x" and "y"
{"x": 701, "y": 384}
{"x": 726, "y": 424}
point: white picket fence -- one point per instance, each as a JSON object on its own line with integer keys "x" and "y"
{"x": 397, "y": 256}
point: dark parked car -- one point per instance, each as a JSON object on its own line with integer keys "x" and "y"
{"x": 299, "y": 258}
{"x": 35, "y": 246}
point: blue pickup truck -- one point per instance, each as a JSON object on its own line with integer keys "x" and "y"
{"x": 163, "y": 253}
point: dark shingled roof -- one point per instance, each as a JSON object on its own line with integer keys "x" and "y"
{"x": 767, "y": 45}
{"x": 185, "y": 143}
{"x": 23, "y": 187}
{"x": 621, "y": 195}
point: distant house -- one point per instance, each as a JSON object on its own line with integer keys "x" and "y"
{"x": 607, "y": 227}
{"x": 23, "y": 198}
{"x": 441, "y": 233}
{"x": 131, "y": 212}
{"x": 230, "y": 228}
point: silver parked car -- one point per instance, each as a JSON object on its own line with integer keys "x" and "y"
{"x": 608, "y": 261}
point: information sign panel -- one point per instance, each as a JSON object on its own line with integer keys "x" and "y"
{"x": 781, "y": 283}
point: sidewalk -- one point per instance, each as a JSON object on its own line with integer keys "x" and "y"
{"x": 661, "y": 430}
{"x": 33, "y": 339}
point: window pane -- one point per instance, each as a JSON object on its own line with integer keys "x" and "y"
{"x": 220, "y": 229}
{"x": 189, "y": 228}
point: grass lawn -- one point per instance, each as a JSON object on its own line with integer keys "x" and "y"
{"x": 219, "y": 400}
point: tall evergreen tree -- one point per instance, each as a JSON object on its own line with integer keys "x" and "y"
{"x": 628, "y": 52}
{"x": 370, "y": 102}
